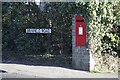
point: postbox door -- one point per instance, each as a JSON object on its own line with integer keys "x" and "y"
{"x": 80, "y": 33}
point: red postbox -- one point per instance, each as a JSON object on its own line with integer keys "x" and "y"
{"x": 80, "y": 31}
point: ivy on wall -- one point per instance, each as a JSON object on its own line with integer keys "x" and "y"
{"x": 102, "y": 36}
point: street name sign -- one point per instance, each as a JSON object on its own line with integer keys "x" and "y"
{"x": 45, "y": 31}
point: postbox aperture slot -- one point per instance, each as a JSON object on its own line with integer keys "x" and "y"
{"x": 79, "y": 20}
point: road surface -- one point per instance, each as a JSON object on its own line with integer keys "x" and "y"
{"x": 28, "y": 71}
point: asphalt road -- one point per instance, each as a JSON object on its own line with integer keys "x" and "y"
{"x": 16, "y": 75}
{"x": 27, "y": 71}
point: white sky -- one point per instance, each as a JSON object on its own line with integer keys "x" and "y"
{"x": 37, "y": 1}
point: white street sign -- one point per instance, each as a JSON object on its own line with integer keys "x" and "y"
{"x": 38, "y": 30}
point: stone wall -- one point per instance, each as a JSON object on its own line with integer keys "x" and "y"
{"x": 84, "y": 59}
{"x": 81, "y": 58}
{"x": 105, "y": 63}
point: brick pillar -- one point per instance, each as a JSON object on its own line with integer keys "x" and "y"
{"x": 80, "y": 55}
